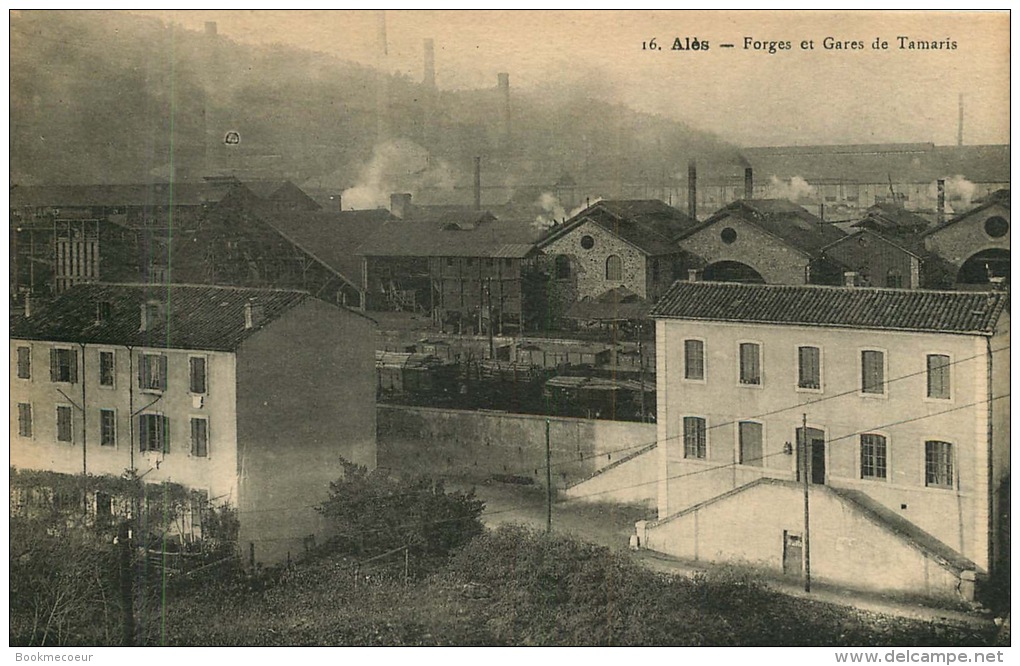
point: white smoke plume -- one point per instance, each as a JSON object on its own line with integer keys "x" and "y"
{"x": 399, "y": 165}
{"x": 551, "y": 211}
{"x": 792, "y": 190}
{"x": 959, "y": 192}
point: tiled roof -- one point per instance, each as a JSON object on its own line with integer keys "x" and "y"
{"x": 192, "y": 316}
{"x": 973, "y": 313}
{"x": 783, "y": 219}
{"x": 648, "y": 224}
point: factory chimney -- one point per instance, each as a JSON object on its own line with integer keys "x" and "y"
{"x": 478, "y": 183}
{"x": 429, "y": 77}
{"x": 504, "y": 100}
{"x": 748, "y": 183}
{"x": 692, "y": 190}
{"x": 940, "y": 215}
{"x": 959, "y": 126}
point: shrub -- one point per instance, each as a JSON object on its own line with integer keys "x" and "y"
{"x": 373, "y": 512}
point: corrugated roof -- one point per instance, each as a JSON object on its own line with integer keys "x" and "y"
{"x": 972, "y": 313}
{"x": 783, "y": 219}
{"x": 191, "y": 316}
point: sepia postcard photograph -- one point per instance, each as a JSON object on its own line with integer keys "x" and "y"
{"x": 491, "y": 328}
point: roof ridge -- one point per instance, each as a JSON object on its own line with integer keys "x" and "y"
{"x": 196, "y": 285}
{"x": 839, "y": 287}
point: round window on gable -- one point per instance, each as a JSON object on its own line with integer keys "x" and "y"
{"x": 996, "y": 227}
{"x": 587, "y": 242}
{"x": 728, "y": 235}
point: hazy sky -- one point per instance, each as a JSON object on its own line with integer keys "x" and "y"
{"x": 747, "y": 96}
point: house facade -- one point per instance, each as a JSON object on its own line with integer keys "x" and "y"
{"x": 976, "y": 244}
{"x": 229, "y": 392}
{"x": 870, "y": 258}
{"x": 893, "y": 404}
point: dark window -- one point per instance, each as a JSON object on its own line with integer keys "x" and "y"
{"x": 63, "y": 365}
{"x": 24, "y": 362}
{"x": 873, "y": 372}
{"x": 490, "y": 262}
{"x": 104, "y": 310}
{"x": 25, "y": 419}
{"x": 64, "y": 424}
{"x": 469, "y": 262}
{"x": 200, "y": 438}
{"x": 152, "y": 372}
{"x": 694, "y": 437}
{"x": 587, "y": 242}
{"x": 198, "y": 382}
{"x": 104, "y": 505}
{"x": 938, "y": 464}
{"x": 562, "y": 267}
{"x": 694, "y": 359}
{"x": 996, "y": 227}
{"x": 106, "y": 368}
{"x": 614, "y": 267}
{"x": 873, "y": 457}
{"x": 107, "y": 427}
{"x": 938, "y": 376}
{"x": 153, "y": 433}
{"x": 449, "y": 261}
{"x": 809, "y": 360}
{"x": 750, "y": 443}
{"x": 728, "y": 235}
{"x": 508, "y": 262}
{"x": 750, "y": 363}
{"x": 894, "y": 279}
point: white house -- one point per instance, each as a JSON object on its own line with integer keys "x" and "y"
{"x": 905, "y": 398}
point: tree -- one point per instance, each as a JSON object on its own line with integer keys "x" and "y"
{"x": 373, "y": 512}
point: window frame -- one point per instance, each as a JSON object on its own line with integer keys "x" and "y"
{"x": 608, "y": 277}
{"x": 860, "y": 457}
{"x": 113, "y": 369}
{"x": 796, "y": 368}
{"x": 17, "y": 354}
{"x": 860, "y": 373}
{"x": 163, "y": 450}
{"x": 164, "y": 366}
{"x": 739, "y": 457}
{"x": 191, "y": 436}
{"x": 953, "y": 468}
{"x": 683, "y": 428}
{"x": 102, "y": 432}
{"x": 56, "y": 424}
{"x": 704, "y": 361}
{"x": 927, "y": 380}
{"x": 761, "y": 365}
{"x": 559, "y": 262}
{"x": 72, "y": 368}
{"x": 205, "y": 374}
{"x": 31, "y": 421}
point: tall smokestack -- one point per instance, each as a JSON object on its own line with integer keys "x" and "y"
{"x": 692, "y": 190}
{"x": 959, "y": 127}
{"x": 429, "y": 77}
{"x": 748, "y": 183}
{"x": 940, "y": 215}
{"x": 504, "y": 99}
{"x": 478, "y": 183}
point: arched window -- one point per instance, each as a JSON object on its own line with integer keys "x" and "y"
{"x": 562, "y": 267}
{"x": 614, "y": 267}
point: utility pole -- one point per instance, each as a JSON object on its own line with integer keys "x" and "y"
{"x": 548, "y": 481}
{"x": 807, "y": 511}
{"x": 127, "y": 598}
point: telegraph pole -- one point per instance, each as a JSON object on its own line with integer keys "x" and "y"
{"x": 807, "y": 510}
{"x": 548, "y": 481}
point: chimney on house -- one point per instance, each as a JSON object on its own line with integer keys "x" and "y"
{"x": 429, "y": 76}
{"x": 850, "y": 279}
{"x": 692, "y": 190}
{"x": 400, "y": 205}
{"x": 504, "y": 100}
{"x": 28, "y": 306}
{"x": 748, "y": 183}
{"x": 210, "y": 28}
{"x": 940, "y": 210}
{"x": 254, "y": 315}
{"x": 478, "y": 183}
{"x": 693, "y": 275}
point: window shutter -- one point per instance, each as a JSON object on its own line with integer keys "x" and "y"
{"x": 143, "y": 433}
{"x": 72, "y": 359}
{"x": 165, "y": 427}
{"x": 141, "y": 372}
{"x": 54, "y": 366}
{"x": 162, "y": 372}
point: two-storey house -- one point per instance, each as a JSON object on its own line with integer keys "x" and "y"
{"x": 893, "y": 404}
{"x": 250, "y": 395}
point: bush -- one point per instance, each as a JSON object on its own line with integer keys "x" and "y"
{"x": 373, "y": 512}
